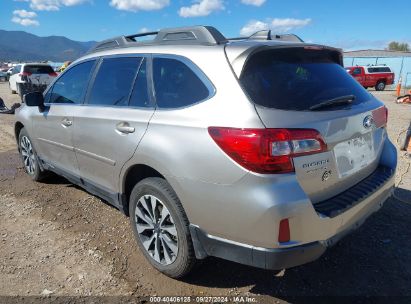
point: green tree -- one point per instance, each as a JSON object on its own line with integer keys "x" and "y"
{"x": 397, "y": 46}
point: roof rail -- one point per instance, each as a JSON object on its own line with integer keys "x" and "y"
{"x": 267, "y": 35}
{"x": 194, "y": 35}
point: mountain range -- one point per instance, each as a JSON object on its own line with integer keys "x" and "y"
{"x": 23, "y": 46}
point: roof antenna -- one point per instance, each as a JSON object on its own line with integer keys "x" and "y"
{"x": 269, "y": 35}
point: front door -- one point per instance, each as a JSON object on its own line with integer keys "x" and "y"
{"x": 53, "y": 128}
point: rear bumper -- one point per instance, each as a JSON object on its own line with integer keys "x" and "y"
{"x": 290, "y": 254}
{"x": 269, "y": 258}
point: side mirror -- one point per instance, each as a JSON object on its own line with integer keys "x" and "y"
{"x": 34, "y": 99}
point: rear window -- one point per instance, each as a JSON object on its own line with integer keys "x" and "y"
{"x": 297, "y": 79}
{"x": 38, "y": 69}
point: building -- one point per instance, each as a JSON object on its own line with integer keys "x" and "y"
{"x": 399, "y": 62}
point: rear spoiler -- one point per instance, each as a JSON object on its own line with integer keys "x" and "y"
{"x": 238, "y": 57}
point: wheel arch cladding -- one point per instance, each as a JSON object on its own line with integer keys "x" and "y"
{"x": 135, "y": 174}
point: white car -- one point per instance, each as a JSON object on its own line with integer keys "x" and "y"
{"x": 34, "y": 73}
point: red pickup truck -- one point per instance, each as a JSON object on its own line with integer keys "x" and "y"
{"x": 377, "y": 76}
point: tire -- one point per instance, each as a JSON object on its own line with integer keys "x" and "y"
{"x": 404, "y": 140}
{"x": 380, "y": 86}
{"x": 175, "y": 253}
{"x": 18, "y": 89}
{"x": 29, "y": 157}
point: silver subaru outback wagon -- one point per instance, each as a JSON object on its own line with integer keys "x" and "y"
{"x": 260, "y": 150}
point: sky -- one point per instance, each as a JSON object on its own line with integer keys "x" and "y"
{"x": 348, "y": 24}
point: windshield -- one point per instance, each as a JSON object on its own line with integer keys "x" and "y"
{"x": 298, "y": 79}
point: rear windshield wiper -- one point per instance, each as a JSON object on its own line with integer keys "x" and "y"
{"x": 348, "y": 99}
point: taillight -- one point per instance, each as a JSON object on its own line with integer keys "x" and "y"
{"x": 267, "y": 150}
{"x": 53, "y": 74}
{"x": 25, "y": 74}
{"x": 284, "y": 231}
{"x": 380, "y": 117}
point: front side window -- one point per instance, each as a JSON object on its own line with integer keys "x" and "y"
{"x": 71, "y": 86}
{"x": 114, "y": 81}
{"x": 357, "y": 71}
{"x": 176, "y": 84}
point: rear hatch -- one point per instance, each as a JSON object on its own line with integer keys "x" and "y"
{"x": 306, "y": 87}
{"x": 38, "y": 74}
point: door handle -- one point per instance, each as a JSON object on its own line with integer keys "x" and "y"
{"x": 66, "y": 122}
{"x": 124, "y": 128}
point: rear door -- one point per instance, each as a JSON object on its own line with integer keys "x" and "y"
{"x": 371, "y": 76}
{"x": 109, "y": 127}
{"x": 291, "y": 88}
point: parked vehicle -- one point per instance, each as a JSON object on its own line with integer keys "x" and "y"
{"x": 34, "y": 74}
{"x": 3, "y": 76}
{"x": 256, "y": 150}
{"x": 376, "y": 76}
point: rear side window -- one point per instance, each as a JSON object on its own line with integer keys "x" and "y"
{"x": 114, "y": 81}
{"x": 379, "y": 70}
{"x": 71, "y": 86}
{"x": 176, "y": 84}
{"x": 38, "y": 69}
{"x": 297, "y": 79}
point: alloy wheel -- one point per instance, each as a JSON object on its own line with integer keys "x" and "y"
{"x": 156, "y": 229}
{"x": 27, "y": 153}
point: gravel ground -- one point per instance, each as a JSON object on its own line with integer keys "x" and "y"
{"x": 56, "y": 239}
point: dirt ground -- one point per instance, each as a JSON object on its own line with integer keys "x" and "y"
{"x": 56, "y": 239}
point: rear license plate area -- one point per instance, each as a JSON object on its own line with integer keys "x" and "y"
{"x": 354, "y": 154}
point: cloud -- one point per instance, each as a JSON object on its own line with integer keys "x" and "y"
{"x": 24, "y": 14}
{"x": 358, "y": 44}
{"x": 201, "y": 8}
{"x": 144, "y": 30}
{"x": 25, "y": 21}
{"x": 139, "y": 5}
{"x": 25, "y": 18}
{"x": 253, "y": 2}
{"x": 277, "y": 25}
{"x": 52, "y": 5}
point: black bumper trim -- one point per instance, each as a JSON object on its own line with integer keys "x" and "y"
{"x": 273, "y": 259}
